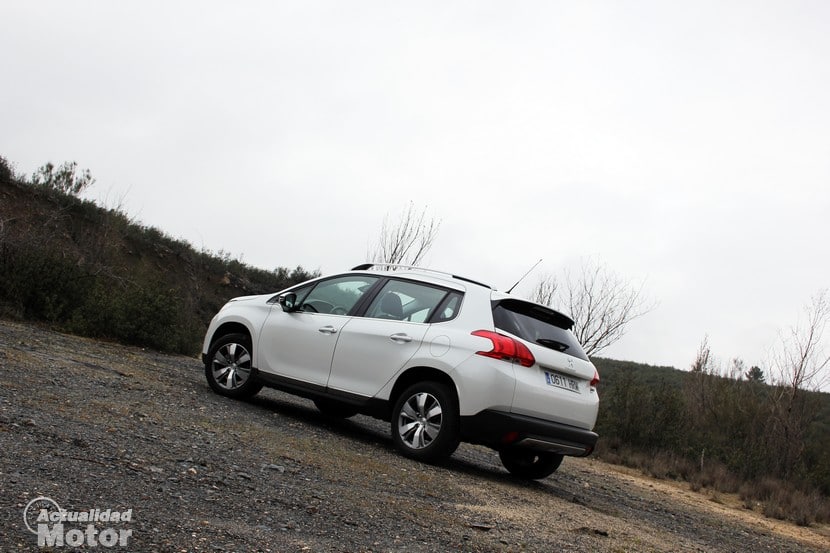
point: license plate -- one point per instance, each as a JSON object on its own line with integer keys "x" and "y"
{"x": 562, "y": 381}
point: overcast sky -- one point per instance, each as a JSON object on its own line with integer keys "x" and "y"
{"x": 684, "y": 144}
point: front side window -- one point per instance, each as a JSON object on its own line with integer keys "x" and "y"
{"x": 401, "y": 300}
{"x": 337, "y": 295}
{"x": 537, "y": 324}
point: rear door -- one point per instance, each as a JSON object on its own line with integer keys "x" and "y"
{"x": 372, "y": 349}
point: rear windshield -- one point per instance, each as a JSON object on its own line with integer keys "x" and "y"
{"x": 537, "y": 324}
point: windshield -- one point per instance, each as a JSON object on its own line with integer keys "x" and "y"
{"x": 537, "y": 324}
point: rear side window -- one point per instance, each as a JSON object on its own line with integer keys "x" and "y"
{"x": 448, "y": 308}
{"x": 537, "y": 324}
{"x": 402, "y": 300}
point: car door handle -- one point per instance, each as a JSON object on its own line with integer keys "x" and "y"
{"x": 401, "y": 338}
{"x": 328, "y": 330}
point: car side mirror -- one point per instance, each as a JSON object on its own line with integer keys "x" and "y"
{"x": 288, "y": 302}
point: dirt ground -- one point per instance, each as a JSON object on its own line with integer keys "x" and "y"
{"x": 92, "y": 425}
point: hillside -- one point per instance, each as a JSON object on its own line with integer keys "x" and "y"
{"x": 96, "y": 272}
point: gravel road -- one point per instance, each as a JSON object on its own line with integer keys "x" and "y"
{"x": 92, "y": 425}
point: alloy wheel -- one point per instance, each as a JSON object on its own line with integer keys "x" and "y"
{"x": 231, "y": 366}
{"x": 419, "y": 422}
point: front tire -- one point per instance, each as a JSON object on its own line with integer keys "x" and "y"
{"x": 425, "y": 422}
{"x": 528, "y": 464}
{"x": 229, "y": 367}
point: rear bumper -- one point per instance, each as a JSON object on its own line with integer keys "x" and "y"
{"x": 500, "y": 430}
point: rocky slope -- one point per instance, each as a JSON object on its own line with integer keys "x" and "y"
{"x": 95, "y": 425}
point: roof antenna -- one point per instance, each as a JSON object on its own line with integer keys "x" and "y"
{"x": 524, "y": 275}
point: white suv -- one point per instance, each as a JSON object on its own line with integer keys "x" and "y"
{"x": 442, "y": 357}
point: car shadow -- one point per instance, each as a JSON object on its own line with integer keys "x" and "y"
{"x": 303, "y": 411}
{"x": 475, "y": 461}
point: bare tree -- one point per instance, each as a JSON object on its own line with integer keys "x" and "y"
{"x": 800, "y": 360}
{"x": 798, "y": 363}
{"x": 545, "y": 290}
{"x": 407, "y": 239}
{"x": 703, "y": 359}
{"x": 600, "y": 302}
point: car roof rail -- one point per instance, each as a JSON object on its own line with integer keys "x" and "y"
{"x": 367, "y": 266}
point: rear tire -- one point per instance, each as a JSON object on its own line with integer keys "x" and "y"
{"x": 425, "y": 422}
{"x": 528, "y": 464}
{"x": 229, "y": 367}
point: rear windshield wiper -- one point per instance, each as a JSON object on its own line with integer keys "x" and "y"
{"x": 553, "y": 344}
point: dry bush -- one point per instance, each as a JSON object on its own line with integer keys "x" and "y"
{"x": 761, "y": 490}
{"x": 669, "y": 466}
{"x": 657, "y": 464}
{"x": 779, "y": 505}
{"x": 718, "y": 477}
{"x": 773, "y": 497}
{"x": 783, "y": 501}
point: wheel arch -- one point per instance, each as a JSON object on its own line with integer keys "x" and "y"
{"x": 420, "y": 374}
{"x": 231, "y": 327}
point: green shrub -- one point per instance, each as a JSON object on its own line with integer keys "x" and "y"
{"x": 39, "y": 283}
{"x": 6, "y": 171}
{"x": 63, "y": 179}
{"x": 148, "y": 314}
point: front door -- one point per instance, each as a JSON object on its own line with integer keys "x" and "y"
{"x": 301, "y": 344}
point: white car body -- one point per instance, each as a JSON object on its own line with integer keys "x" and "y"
{"x": 359, "y": 358}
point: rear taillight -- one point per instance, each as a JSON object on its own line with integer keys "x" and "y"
{"x": 506, "y": 348}
{"x": 595, "y": 380}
